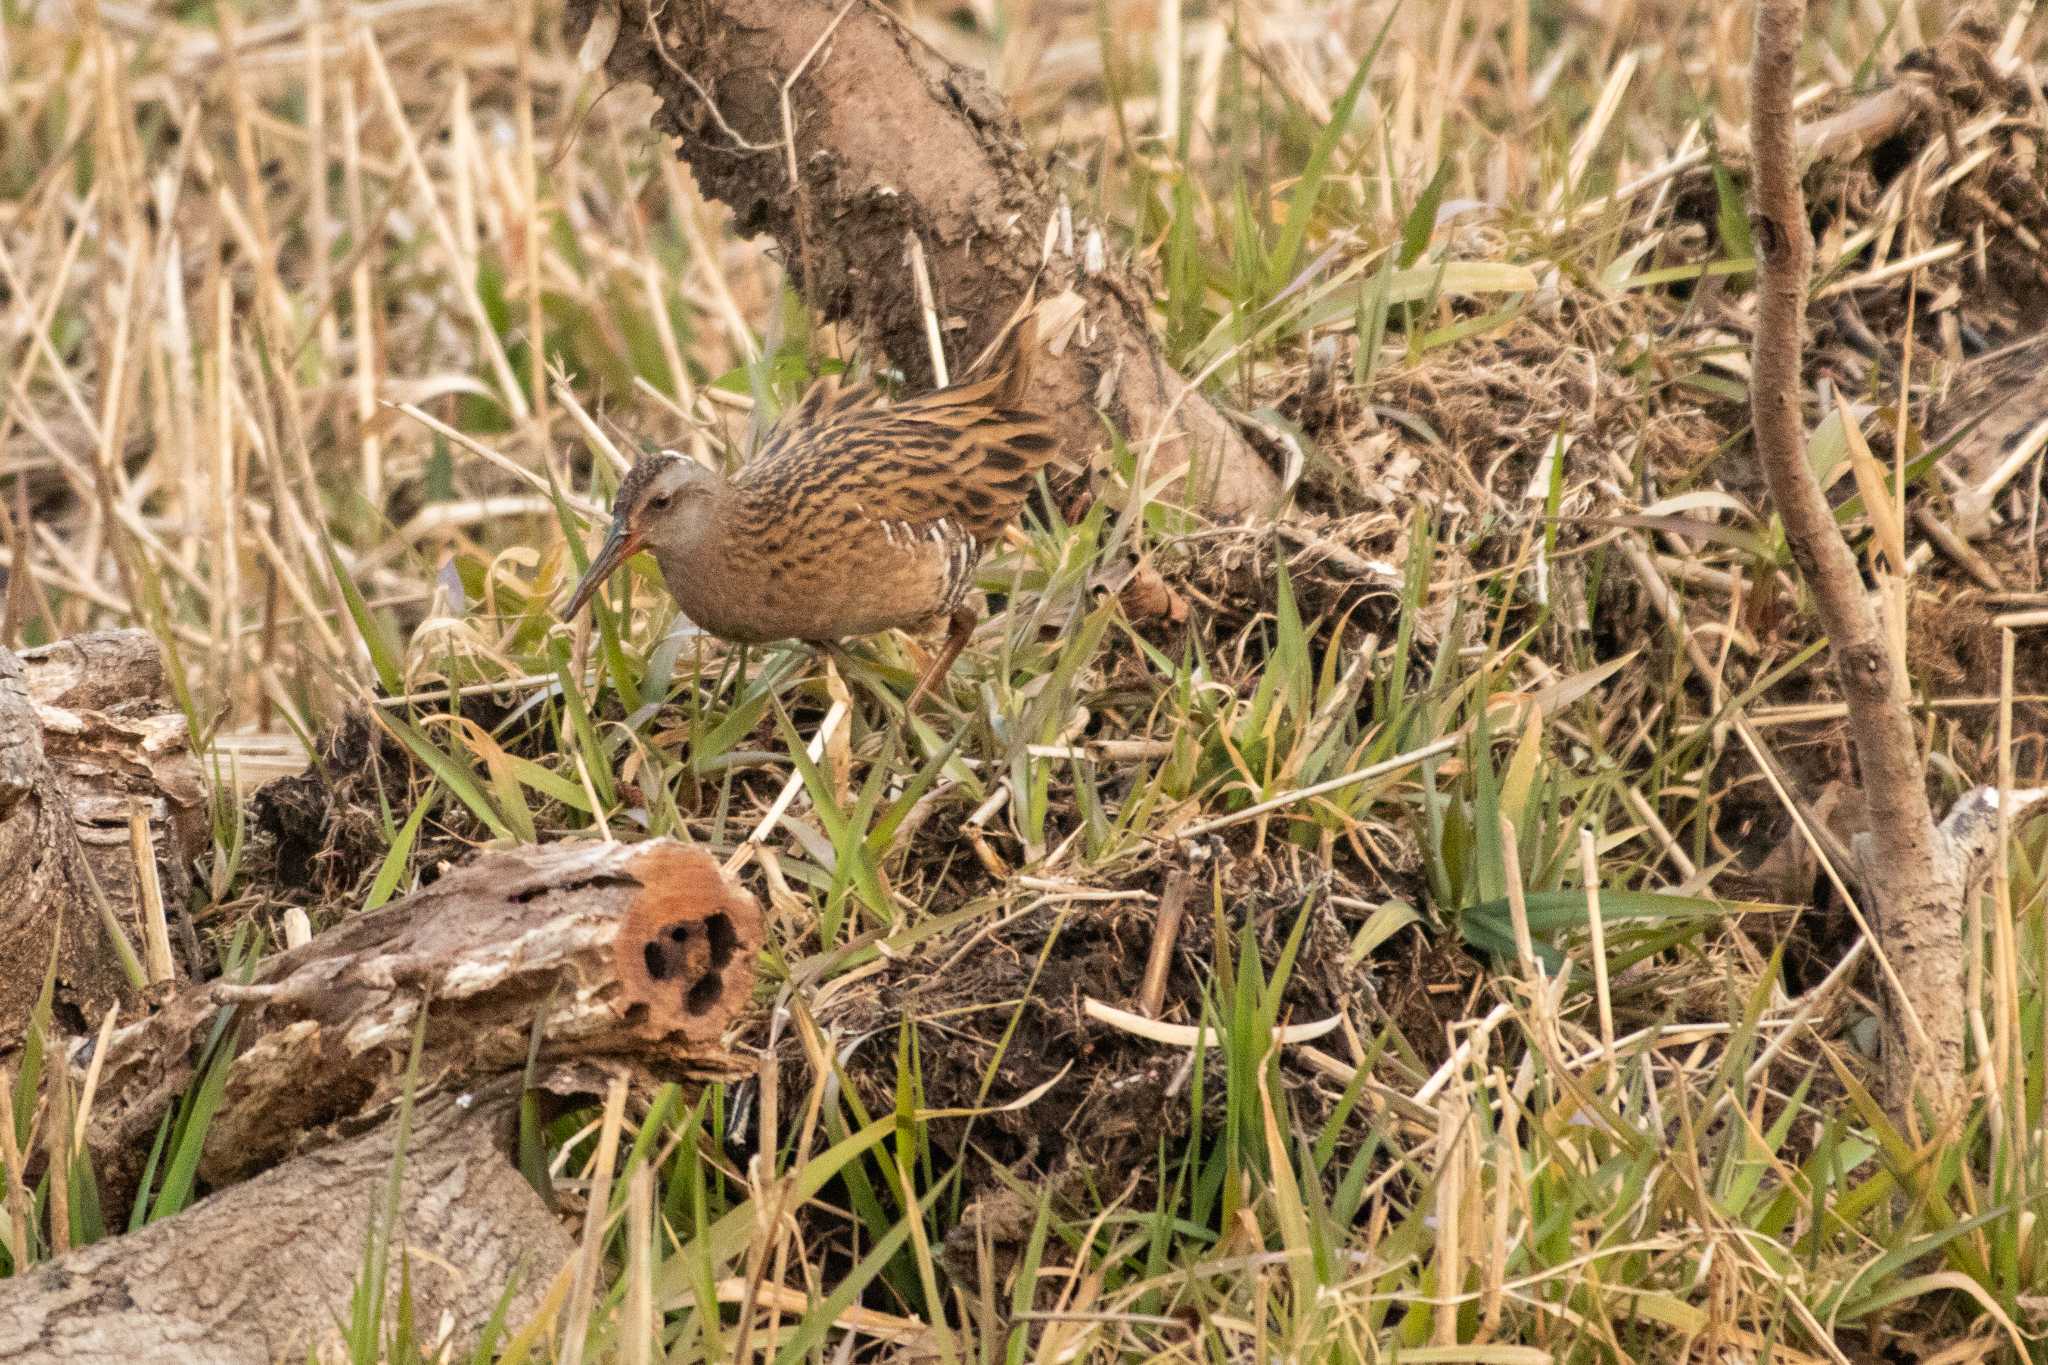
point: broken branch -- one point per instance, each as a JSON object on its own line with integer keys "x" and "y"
{"x": 829, "y": 126}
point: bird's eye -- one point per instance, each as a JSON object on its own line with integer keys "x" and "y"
{"x": 660, "y": 500}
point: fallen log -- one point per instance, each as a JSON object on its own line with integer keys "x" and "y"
{"x": 832, "y": 128}
{"x": 603, "y": 957}
{"x": 264, "y": 1271}
{"x": 562, "y": 967}
{"x": 102, "y": 811}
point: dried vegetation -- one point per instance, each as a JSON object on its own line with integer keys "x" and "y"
{"x": 323, "y": 322}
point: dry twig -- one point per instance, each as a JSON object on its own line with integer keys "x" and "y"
{"x": 1915, "y": 876}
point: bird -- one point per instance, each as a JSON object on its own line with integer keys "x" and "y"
{"x": 856, "y": 516}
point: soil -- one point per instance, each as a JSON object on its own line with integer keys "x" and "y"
{"x": 1113, "y": 1097}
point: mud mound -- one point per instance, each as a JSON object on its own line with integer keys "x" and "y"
{"x": 1000, "y": 1012}
{"x": 321, "y": 833}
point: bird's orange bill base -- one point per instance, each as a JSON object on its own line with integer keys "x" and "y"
{"x": 619, "y": 546}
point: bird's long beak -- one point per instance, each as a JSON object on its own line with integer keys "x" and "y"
{"x": 619, "y": 546}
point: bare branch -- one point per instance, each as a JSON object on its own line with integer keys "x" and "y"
{"x": 1916, "y": 885}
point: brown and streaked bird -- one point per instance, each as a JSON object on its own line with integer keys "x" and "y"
{"x": 857, "y": 516}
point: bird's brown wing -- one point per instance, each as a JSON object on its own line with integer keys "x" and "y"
{"x": 858, "y": 515}
{"x": 886, "y": 514}
{"x": 964, "y": 456}
{"x": 827, "y": 402}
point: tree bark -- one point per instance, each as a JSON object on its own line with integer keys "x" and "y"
{"x": 264, "y": 1271}
{"x": 613, "y": 956}
{"x": 1915, "y": 886}
{"x": 892, "y": 143}
{"x": 89, "y": 741}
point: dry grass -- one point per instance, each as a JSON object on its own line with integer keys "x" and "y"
{"x": 310, "y": 311}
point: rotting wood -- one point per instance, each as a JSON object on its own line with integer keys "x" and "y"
{"x": 616, "y": 957}
{"x": 48, "y": 924}
{"x": 114, "y": 733}
{"x": 88, "y": 735}
{"x": 892, "y": 143}
{"x": 264, "y": 1271}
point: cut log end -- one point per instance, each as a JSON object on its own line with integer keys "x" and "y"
{"x": 685, "y": 949}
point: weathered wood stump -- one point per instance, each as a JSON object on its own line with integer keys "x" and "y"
{"x": 95, "y": 768}
{"x": 611, "y": 955}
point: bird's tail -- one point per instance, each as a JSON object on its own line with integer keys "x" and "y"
{"x": 1010, "y": 358}
{"x": 1010, "y": 436}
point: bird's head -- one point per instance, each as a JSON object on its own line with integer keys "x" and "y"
{"x": 664, "y": 503}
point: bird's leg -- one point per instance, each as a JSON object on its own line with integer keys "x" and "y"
{"x": 920, "y": 655}
{"x": 959, "y": 630}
